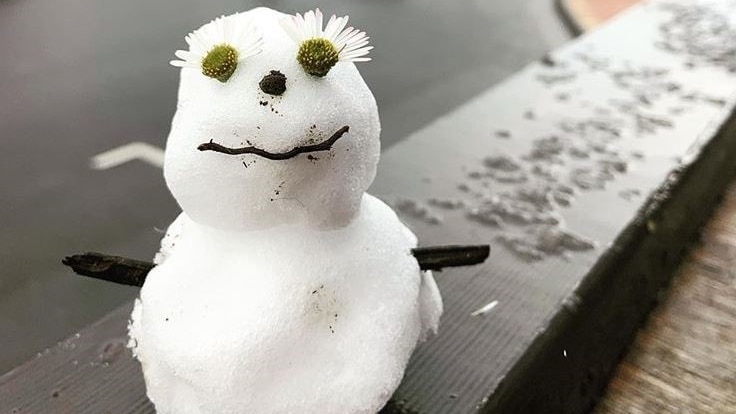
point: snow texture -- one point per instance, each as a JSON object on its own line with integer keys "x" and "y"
{"x": 168, "y": 242}
{"x": 323, "y": 189}
{"x": 282, "y": 287}
{"x": 283, "y": 320}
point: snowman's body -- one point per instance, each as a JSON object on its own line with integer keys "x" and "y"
{"x": 283, "y": 287}
{"x": 336, "y": 340}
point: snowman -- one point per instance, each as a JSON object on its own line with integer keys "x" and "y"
{"x": 282, "y": 287}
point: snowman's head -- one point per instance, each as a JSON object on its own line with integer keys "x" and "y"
{"x": 270, "y": 127}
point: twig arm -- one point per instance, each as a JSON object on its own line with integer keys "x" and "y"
{"x": 111, "y": 268}
{"x": 439, "y": 257}
{"x": 133, "y": 272}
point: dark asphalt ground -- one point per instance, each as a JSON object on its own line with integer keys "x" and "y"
{"x": 79, "y": 77}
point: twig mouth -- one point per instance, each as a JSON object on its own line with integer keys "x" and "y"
{"x": 325, "y": 145}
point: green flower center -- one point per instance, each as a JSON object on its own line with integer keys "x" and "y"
{"x": 317, "y": 56}
{"x": 220, "y": 62}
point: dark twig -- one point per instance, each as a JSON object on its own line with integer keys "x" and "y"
{"x": 325, "y": 145}
{"x": 111, "y": 268}
{"x": 133, "y": 272}
{"x": 439, "y": 257}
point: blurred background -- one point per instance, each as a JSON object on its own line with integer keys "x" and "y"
{"x": 81, "y": 77}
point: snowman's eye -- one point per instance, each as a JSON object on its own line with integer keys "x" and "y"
{"x": 317, "y": 56}
{"x": 219, "y": 47}
{"x": 274, "y": 83}
{"x": 321, "y": 49}
{"x": 220, "y": 62}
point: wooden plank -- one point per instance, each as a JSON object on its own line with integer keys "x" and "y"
{"x": 590, "y": 171}
{"x": 90, "y": 372}
{"x": 685, "y": 357}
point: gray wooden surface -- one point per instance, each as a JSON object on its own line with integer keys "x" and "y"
{"x": 551, "y": 167}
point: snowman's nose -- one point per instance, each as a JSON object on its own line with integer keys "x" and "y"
{"x": 274, "y": 83}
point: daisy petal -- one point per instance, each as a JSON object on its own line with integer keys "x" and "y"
{"x": 195, "y": 43}
{"x": 352, "y": 55}
{"x": 182, "y": 64}
{"x": 309, "y": 23}
{"x": 331, "y": 24}
{"x": 354, "y": 37}
{"x": 301, "y": 24}
{"x": 185, "y": 55}
{"x": 340, "y": 38}
{"x": 290, "y": 28}
{"x": 318, "y": 23}
{"x": 338, "y": 25}
{"x": 353, "y": 46}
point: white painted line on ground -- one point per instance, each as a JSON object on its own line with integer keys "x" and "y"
{"x": 126, "y": 153}
{"x": 485, "y": 309}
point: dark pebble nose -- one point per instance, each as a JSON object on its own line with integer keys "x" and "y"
{"x": 274, "y": 83}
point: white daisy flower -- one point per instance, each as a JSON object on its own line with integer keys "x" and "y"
{"x": 320, "y": 50}
{"x": 217, "y": 47}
